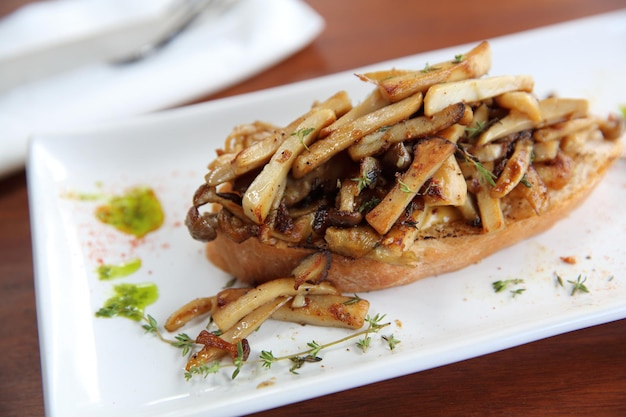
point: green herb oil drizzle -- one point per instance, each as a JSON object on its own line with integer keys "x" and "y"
{"x": 129, "y": 301}
{"x": 138, "y": 212}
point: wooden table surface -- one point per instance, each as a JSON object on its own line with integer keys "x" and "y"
{"x": 582, "y": 373}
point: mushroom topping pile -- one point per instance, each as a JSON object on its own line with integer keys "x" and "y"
{"x": 427, "y": 148}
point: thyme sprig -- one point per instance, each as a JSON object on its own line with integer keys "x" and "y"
{"x": 374, "y": 325}
{"x": 266, "y": 358}
{"x": 485, "y": 174}
{"x": 181, "y": 341}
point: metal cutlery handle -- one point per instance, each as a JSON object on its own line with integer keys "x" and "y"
{"x": 191, "y": 11}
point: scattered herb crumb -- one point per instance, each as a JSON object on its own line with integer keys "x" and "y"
{"x": 569, "y": 260}
{"x": 501, "y": 285}
{"x": 559, "y": 280}
{"x": 517, "y": 291}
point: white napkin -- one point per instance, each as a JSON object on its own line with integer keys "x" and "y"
{"x": 216, "y": 52}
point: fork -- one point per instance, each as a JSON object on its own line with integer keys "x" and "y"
{"x": 191, "y": 11}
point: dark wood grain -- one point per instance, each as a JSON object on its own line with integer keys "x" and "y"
{"x": 582, "y": 373}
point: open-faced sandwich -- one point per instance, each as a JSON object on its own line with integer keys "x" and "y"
{"x": 435, "y": 170}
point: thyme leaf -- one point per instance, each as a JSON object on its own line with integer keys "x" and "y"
{"x": 404, "y": 187}
{"x": 392, "y": 342}
{"x": 184, "y": 342}
{"x": 375, "y": 322}
{"x": 368, "y": 205}
{"x": 429, "y": 68}
{"x": 579, "y": 285}
{"x": 364, "y": 343}
{"x": 151, "y": 326}
{"x": 476, "y": 129}
{"x": 298, "y": 361}
{"x": 239, "y": 361}
{"x": 517, "y": 291}
{"x": 301, "y": 134}
{"x": 559, "y": 280}
{"x": 485, "y": 173}
{"x": 267, "y": 358}
{"x": 204, "y": 370}
{"x": 501, "y": 285}
{"x": 374, "y": 325}
{"x": 355, "y": 299}
{"x": 315, "y": 348}
{"x": 365, "y": 180}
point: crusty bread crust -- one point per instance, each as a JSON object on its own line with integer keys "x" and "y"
{"x": 253, "y": 262}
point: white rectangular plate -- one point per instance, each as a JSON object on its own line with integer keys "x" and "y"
{"x": 97, "y": 367}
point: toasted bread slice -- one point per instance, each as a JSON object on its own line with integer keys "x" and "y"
{"x": 456, "y": 246}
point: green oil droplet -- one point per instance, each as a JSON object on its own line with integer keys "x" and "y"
{"x": 108, "y": 272}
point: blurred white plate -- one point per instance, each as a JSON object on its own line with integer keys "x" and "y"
{"x": 98, "y": 367}
{"x": 247, "y": 38}
{"x": 48, "y": 37}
